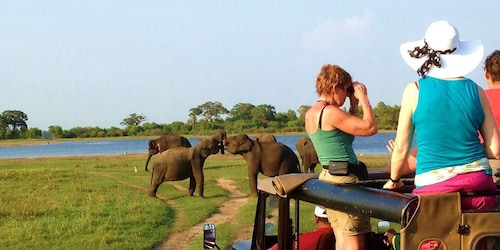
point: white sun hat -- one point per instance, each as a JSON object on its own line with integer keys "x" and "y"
{"x": 320, "y": 212}
{"x": 442, "y": 45}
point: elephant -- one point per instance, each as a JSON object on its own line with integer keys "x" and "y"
{"x": 266, "y": 137}
{"x": 307, "y": 154}
{"x": 181, "y": 163}
{"x": 165, "y": 142}
{"x": 270, "y": 158}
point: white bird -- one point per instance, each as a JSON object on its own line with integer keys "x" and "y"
{"x": 135, "y": 169}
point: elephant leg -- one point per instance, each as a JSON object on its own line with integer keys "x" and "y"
{"x": 192, "y": 185}
{"x": 311, "y": 167}
{"x": 200, "y": 184}
{"x": 252, "y": 177}
{"x": 302, "y": 161}
{"x": 306, "y": 165}
{"x": 157, "y": 178}
{"x": 153, "y": 188}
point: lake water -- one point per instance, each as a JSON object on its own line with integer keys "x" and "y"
{"x": 374, "y": 145}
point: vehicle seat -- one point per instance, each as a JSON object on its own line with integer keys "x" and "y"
{"x": 326, "y": 242}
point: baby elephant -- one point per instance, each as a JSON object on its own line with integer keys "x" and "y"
{"x": 181, "y": 163}
{"x": 307, "y": 154}
{"x": 269, "y": 158}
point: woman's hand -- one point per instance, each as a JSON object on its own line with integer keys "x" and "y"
{"x": 393, "y": 185}
{"x": 360, "y": 91}
{"x": 390, "y": 146}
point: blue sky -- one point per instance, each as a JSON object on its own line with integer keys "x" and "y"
{"x": 92, "y": 63}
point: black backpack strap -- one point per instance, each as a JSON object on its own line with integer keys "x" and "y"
{"x": 321, "y": 116}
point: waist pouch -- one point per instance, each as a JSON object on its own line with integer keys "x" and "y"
{"x": 344, "y": 168}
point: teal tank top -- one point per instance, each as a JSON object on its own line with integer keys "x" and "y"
{"x": 446, "y": 120}
{"x": 334, "y": 145}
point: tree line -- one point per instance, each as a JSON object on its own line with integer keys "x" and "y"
{"x": 203, "y": 120}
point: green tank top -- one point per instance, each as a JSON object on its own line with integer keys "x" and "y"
{"x": 335, "y": 145}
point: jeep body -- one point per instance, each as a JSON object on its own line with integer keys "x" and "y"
{"x": 426, "y": 222}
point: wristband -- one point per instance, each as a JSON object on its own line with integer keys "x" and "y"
{"x": 395, "y": 181}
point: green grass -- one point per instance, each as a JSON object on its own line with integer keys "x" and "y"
{"x": 99, "y": 202}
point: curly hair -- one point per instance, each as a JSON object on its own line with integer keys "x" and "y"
{"x": 330, "y": 77}
{"x": 492, "y": 65}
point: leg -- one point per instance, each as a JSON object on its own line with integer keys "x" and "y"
{"x": 192, "y": 185}
{"x": 152, "y": 189}
{"x": 200, "y": 183}
{"x": 252, "y": 177}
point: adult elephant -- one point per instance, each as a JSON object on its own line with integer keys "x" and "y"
{"x": 181, "y": 163}
{"x": 163, "y": 143}
{"x": 266, "y": 137}
{"x": 307, "y": 154}
{"x": 270, "y": 159}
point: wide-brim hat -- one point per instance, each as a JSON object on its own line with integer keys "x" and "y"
{"x": 320, "y": 212}
{"x": 442, "y": 36}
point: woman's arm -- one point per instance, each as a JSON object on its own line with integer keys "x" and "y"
{"x": 350, "y": 122}
{"x": 404, "y": 136}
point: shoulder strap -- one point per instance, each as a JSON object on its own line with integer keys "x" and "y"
{"x": 416, "y": 84}
{"x": 321, "y": 116}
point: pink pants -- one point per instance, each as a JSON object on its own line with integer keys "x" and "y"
{"x": 469, "y": 182}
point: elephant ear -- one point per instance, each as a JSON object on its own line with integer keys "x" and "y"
{"x": 152, "y": 144}
{"x": 246, "y": 145}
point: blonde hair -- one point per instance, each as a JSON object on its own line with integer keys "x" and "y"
{"x": 330, "y": 77}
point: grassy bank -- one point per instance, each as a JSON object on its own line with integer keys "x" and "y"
{"x": 100, "y": 202}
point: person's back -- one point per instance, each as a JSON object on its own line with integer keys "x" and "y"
{"x": 309, "y": 240}
{"x": 446, "y": 120}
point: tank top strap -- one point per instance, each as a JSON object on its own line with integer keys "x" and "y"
{"x": 321, "y": 116}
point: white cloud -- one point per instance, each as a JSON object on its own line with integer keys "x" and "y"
{"x": 326, "y": 34}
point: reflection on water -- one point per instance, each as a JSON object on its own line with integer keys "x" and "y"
{"x": 363, "y": 145}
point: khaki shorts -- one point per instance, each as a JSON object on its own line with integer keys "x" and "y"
{"x": 348, "y": 224}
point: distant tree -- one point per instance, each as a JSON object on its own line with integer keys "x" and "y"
{"x": 133, "y": 130}
{"x": 133, "y": 120}
{"x": 211, "y": 111}
{"x": 387, "y": 116}
{"x": 33, "y": 133}
{"x": 15, "y": 119}
{"x": 241, "y": 111}
{"x": 114, "y": 132}
{"x": 193, "y": 115}
{"x": 179, "y": 128}
{"x": 302, "y": 112}
{"x": 263, "y": 114}
{"x": 56, "y": 131}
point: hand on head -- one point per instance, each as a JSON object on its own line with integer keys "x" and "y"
{"x": 359, "y": 90}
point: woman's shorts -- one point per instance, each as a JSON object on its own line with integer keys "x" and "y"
{"x": 348, "y": 224}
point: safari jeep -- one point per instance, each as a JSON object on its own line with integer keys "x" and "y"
{"x": 426, "y": 222}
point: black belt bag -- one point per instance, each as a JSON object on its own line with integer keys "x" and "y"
{"x": 344, "y": 168}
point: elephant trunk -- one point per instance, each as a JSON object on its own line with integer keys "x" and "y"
{"x": 222, "y": 147}
{"x": 147, "y": 161}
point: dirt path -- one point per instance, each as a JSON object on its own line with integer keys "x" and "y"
{"x": 227, "y": 212}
